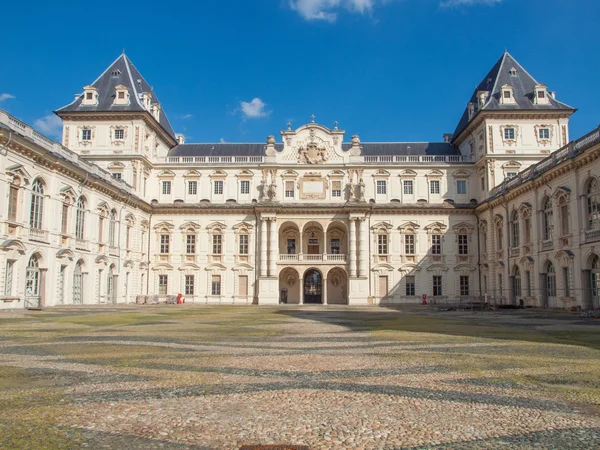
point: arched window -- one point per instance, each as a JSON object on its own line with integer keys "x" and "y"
{"x": 32, "y": 283}
{"x": 593, "y": 205}
{"x": 80, "y": 218}
{"x": 111, "y": 228}
{"x": 515, "y": 230}
{"x": 563, "y": 209}
{"x": 37, "y": 205}
{"x": 547, "y": 219}
{"x": 551, "y": 281}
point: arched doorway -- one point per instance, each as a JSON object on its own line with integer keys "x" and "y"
{"x": 551, "y": 285}
{"x": 33, "y": 284}
{"x": 78, "y": 284}
{"x": 313, "y": 287}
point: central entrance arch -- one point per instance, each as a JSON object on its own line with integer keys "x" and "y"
{"x": 313, "y": 287}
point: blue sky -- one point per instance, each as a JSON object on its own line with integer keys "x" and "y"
{"x": 239, "y": 70}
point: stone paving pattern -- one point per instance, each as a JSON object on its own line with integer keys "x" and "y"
{"x": 177, "y": 377}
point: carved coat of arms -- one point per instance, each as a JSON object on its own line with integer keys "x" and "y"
{"x": 311, "y": 153}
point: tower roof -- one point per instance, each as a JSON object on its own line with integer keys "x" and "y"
{"x": 120, "y": 72}
{"x": 508, "y": 71}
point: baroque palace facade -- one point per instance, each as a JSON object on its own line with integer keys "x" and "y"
{"x": 506, "y": 208}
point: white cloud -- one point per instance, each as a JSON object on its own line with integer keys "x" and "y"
{"x": 254, "y": 109}
{"x": 222, "y": 141}
{"x": 457, "y": 3}
{"x": 6, "y": 97}
{"x": 50, "y": 125}
{"x": 187, "y": 116}
{"x": 328, "y": 10}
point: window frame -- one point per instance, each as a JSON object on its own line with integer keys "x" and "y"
{"x": 464, "y": 288}
{"x": 218, "y": 187}
{"x": 192, "y": 187}
{"x": 166, "y": 187}
{"x": 244, "y": 244}
{"x": 190, "y": 244}
{"x": 244, "y": 187}
{"x": 381, "y": 187}
{"x": 164, "y": 243}
{"x": 189, "y": 286}
{"x": 163, "y": 284}
{"x": 215, "y": 285}
{"x": 409, "y": 244}
{"x": 410, "y": 283}
{"x": 436, "y": 247}
{"x": 435, "y": 187}
{"x": 382, "y": 244}
{"x": 463, "y": 184}
{"x": 217, "y": 244}
{"x": 437, "y": 285}
{"x": 408, "y": 185}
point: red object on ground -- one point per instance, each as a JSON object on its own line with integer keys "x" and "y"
{"x": 179, "y": 300}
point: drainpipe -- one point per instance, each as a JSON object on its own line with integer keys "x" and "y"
{"x": 255, "y": 254}
{"x": 369, "y": 238}
{"x": 478, "y": 253}
{"x": 505, "y": 204}
{"x": 120, "y": 231}
{"x": 148, "y": 256}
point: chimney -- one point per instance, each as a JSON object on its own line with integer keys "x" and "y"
{"x": 448, "y": 137}
{"x": 77, "y": 96}
{"x": 180, "y": 139}
{"x": 552, "y": 94}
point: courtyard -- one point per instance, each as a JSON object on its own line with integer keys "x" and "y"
{"x": 189, "y": 376}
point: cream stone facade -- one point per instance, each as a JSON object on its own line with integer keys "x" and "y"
{"x": 504, "y": 210}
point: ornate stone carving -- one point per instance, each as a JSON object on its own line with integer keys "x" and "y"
{"x": 311, "y": 153}
{"x": 291, "y": 280}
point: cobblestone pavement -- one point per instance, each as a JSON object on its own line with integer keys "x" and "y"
{"x": 173, "y": 377}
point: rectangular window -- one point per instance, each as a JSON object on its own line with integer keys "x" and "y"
{"x": 544, "y": 133}
{"x": 408, "y": 187}
{"x": 86, "y": 135}
{"x": 121, "y": 96}
{"x": 217, "y": 244}
{"x": 215, "y": 287}
{"x": 437, "y": 285}
{"x": 166, "y": 188}
{"x": 383, "y": 286}
{"x": 564, "y": 216}
{"x": 65, "y": 218}
{"x": 291, "y": 246}
{"x": 410, "y": 286}
{"x": 190, "y": 244}
{"x": 117, "y": 175}
{"x": 500, "y": 284}
{"x": 541, "y": 94}
{"x": 409, "y": 244}
{"x": 461, "y": 187}
{"x": 464, "y": 285}
{"x": 510, "y": 175}
{"x": 189, "y": 285}
{"x": 244, "y": 187}
{"x": 528, "y": 283}
{"x": 120, "y": 134}
{"x": 506, "y": 94}
{"x": 567, "y": 282}
{"x": 436, "y": 244}
{"x": 509, "y": 133}
{"x": 336, "y": 188}
{"x": 128, "y": 238}
{"x": 192, "y": 187}
{"x": 218, "y": 189}
{"x": 483, "y": 183}
{"x": 243, "y": 244}
{"x": 382, "y": 244}
{"x": 463, "y": 244}
{"x": 89, "y": 95}
{"x": 499, "y": 239}
{"x": 164, "y": 243}
{"x": 335, "y": 246}
{"x": 243, "y": 285}
{"x": 289, "y": 189}
{"x": 13, "y": 199}
{"x": 8, "y": 278}
{"x": 527, "y": 225}
{"x": 434, "y": 186}
{"x": 163, "y": 281}
{"x": 381, "y": 187}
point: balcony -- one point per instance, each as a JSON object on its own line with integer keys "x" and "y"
{"x": 515, "y": 252}
{"x": 592, "y": 236}
{"x": 305, "y": 258}
{"x": 38, "y": 235}
{"x": 547, "y": 245}
{"x": 80, "y": 244}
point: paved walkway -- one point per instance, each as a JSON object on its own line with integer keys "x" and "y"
{"x": 336, "y": 378}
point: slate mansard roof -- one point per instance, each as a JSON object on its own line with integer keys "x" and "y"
{"x": 523, "y": 88}
{"x": 120, "y": 72}
{"x": 367, "y": 149}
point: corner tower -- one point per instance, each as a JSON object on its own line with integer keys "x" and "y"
{"x": 511, "y": 122}
{"x": 118, "y": 123}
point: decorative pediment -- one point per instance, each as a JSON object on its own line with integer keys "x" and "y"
{"x": 409, "y": 226}
{"x": 381, "y": 173}
{"x": 13, "y": 244}
{"x": 192, "y": 174}
{"x": 524, "y": 209}
{"x": 218, "y": 174}
{"x": 409, "y": 269}
{"x": 562, "y": 191}
{"x": 162, "y": 267}
{"x": 68, "y": 193}
{"x": 242, "y": 267}
{"x": 215, "y": 267}
{"x": 289, "y": 174}
{"x": 244, "y": 174}
{"x": 526, "y": 262}
{"x": 189, "y": 225}
{"x": 65, "y": 253}
{"x": 164, "y": 226}
{"x": 166, "y": 174}
{"x": 312, "y": 153}
{"x": 336, "y": 173}
{"x": 435, "y": 226}
{"x": 130, "y": 220}
{"x": 243, "y": 226}
{"x": 498, "y": 220}
{"x": 216, "y": 226}
{"x": 483, "y": 226}
{"x": 116, "y": 165}
{"x": 461, "y": 174}
{"x": 101, "y": 259}
{"x": 437, "y": 269}
{"x": 408, "y": 173}
{"x": 382, "y": 226}
{"x": 511, "y": 165}
{"x": 103, "y": 209}
{"x": 463, "y": 226}
{"x": 188, "y": 267}
{"x": 18, "y": 170}
{"x": 383, "y": 268}
{"x": 465, "y": 269}
{"x": 565, "y": 257}
{"x": 128, "y": 264}
{"x": 435, "y": 174}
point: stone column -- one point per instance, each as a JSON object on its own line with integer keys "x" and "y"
{"x": 301, "y": 296}
{"x": 263, "y": 247}
{"x": 363, "y": 252}
{"x": 352, "y": 249}
{"x": 273, "y": 248}
{"x": 324, "y": 291}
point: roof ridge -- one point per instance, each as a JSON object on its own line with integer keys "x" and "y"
{"x": 127, "y": 62}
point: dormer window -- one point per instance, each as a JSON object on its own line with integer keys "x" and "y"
{"x": 115, "y": 73}
{"x": 147, "y": 100}
{"x": 121, "y": 95}
{"x": 119, "y": 134}
{"x": 513, "y": 72}
{"x": 509, "y": 134}
{"x": 540, "y": 95}
{"x": 86, "y": 135}
{"x": 90, "y": 96}
{"x": 507, "y": 95}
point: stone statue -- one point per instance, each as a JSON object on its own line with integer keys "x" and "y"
{"x": 272, "y": 192}
{"x": 351, "y": 191}
{"x": 361, "y": 190}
